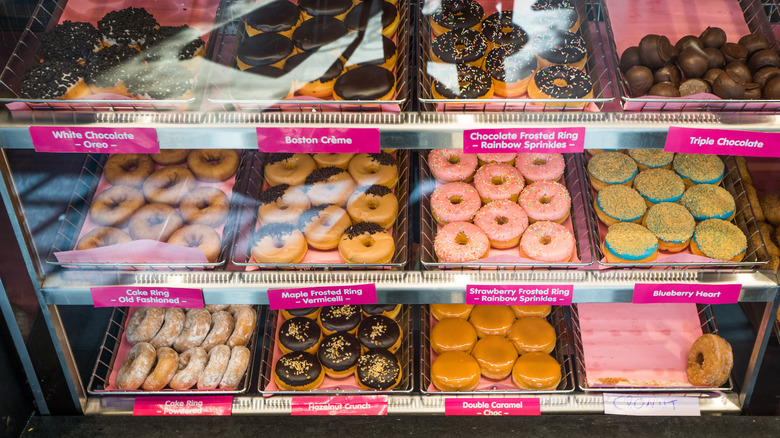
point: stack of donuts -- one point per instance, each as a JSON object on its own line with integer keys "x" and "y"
{"x": 653, "y": 200}
{"x": 534, "y": 51}
{"x": 487, "y": 201}
{"x": 199, "y": 348}
{"x": 492, "y": 342}
{"x": 355, "y": 342}
{"x": 327, "y": 201}
{"x": 154, "y": 196}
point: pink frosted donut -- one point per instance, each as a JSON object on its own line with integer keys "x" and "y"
{"x": 546, "y": 201}
{"x": 501, "y": 158}
{"x": 455, "y": 202}
{"x": 547, "y": 242}
{"x": 540, "y": 167}
{"x": 503, "y": 221}
{"x": 498, "y": 181}
{"x": 449, "y": 165}
{"x": 460, "y": 242}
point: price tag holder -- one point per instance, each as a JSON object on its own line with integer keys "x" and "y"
{"x": 511, "y": 140}
{"x": 322, "y": 296}
{"x": 492, "y": 406}
{"x": 651, "y": 405}
{"x": 319, "y": 140}
{"x": 722, "y": 142}
{"x": 183, "y": 406}
{"x": 138, "y": 296}
{"x": 555, "y": 295}
{"x": 94, "y": 140}
{"x": 340, "y": 405}
{"x": 686, "y": 293}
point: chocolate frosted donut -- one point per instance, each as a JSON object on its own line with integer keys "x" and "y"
{"x": 279, "y": 16}
{"x": 372, "y": 49}
{"x": 298, "y": 371}
{"x": 379, "y": 332}
{"x": 339, "y": 319}
{"x": 359, "y": 17}
{"x": 365, "y": 83}
{"x": 388, "y": 310}
{"x": 463, "y": 82}
{"x": 173, "y": 42}
{"x": 70, "y": 41}
{"x": 499, "y": 28}
{"x": 378, "y": 369}
{"x": 555, "y": 14}
{"x": 161, "y": 80}
{"x": 53, "y": 80}
{"x": 317, "y": 32}
{"x": 308, "y": 72}
{"x": 299, "y": 334}
{"x": 339, "y": 354}
{"x": 454, "y": 14}
{"x": 550, "y": 82}
{"x": 459, "y": 46}
{"x": 129, "y": 26}
{"x": 509, "y": 63}
{"x": 264, "y": 49}
{"x": 260, "y": 83}
{"x": 331, "y": 8}
{"x": 559, "y": 47}
{"x": 106, "y": 67}
{"x": 308, "y": 312}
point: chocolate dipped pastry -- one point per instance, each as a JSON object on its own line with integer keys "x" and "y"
{"x": 106, "y": 70}
{"x": 317, "y": 32}
{"x": 668, "y": 73}
{"x": 763, "y": 58}
{"x": 363, "y": 14}
{"x": 462, "y": 82}
{"x": 324, "y": 8}
{"x": 299, "y": 334}
{"x": 457, "y": 14}
{"x": 499, "y": 28}
{"x": 639, "y": 79}
{"x": 752, "y": 91}
{"x": 560, "y": 47}
{"x": 380, "y": 332}
{"x": 753, "y": 43}
{"x": 655, "y": 50}
{"x": 70, "y": 41}
{"x": 694, "y": 86}
{"x": 772, "y": 89}
{"x": 728, "y": 86}
{"x": 459, "y": 46}
{"x": 298, "y": 371}
{"x": 713, "y": 37}
{"x": 378, "y": 369}
{"x": 693, "y": 62}
{"x": 161, "y": 80}
{"x": 734, "y": 52}
{"x": 307, "y": 75}
{"x": 762, "y": 76}
{"x": 371, "y": 49}
{"x": 629, "y": 58}
{"x": 714, "y": 57}
{"x": 174, "y": 42}
{"x": 388, "y": 310}
{"x": 365, "y": 83}
{"x": 687, "y": 41}
{"x": 265, "y": 49}
{"x": 664, "y": 89}
{"x": 54, "y": 80}
{"x": 712, "y": 74}
{"x": 339, "y": 354}
{"x": 261, "y": 83}
{"x": 339, "y": 319}
{"x": 511, "y": 68}
{"x": 280, "y": 16}
{"x": 308, "y": 312}
{"x": 739, "y": 70}
{"x": 129, "y": 26}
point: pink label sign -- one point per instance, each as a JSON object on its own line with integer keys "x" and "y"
{"x": 543, "y": 140}
{"x": 322, "y": 296}
{"x": 492, "y": 406}
{"x": 723, "y": 142}
{"x": 137, "y": 296}
{"x": 340, "y": 405}
{"x": 556, "y": 295}
{"x": 686, "y": 293}
{"x": 94, "y": 140}
{"x": 192, "y": 406}
{"x": 319, "y": 140}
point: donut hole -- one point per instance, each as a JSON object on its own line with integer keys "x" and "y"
{"x": 507, "y": 29}
{"x": 372, "y": 205}
{"x": 700, "y": 359}
{"x": 502, "y": 220}
{"x": 372, "y": 169}
{"x": 545, "y": 240}
{"x": 278, "y": 243}
{"x": 130, "y": 167}
{"x": 283, "y": 207}
{"x": 462, "y": 239}
{"x": 540, "y": 162}
{"x": 497, "y": 180}
{"x": 453, "y": 159}
{"x": 368, "y": 242}
{"x": 545, "y": 200}
{"x": 559, "y": 82}
{"x": 456, "y": 199}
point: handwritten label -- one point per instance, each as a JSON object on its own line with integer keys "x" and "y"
{"x": 556, "y": 295}
{"x": 136, "y": 296}
{"x": 189, "y": 406}
{"x": 322, "y": 296}
{"x": 340, "y": 405}
{"x": 542, "y": 140}
{"x": 94, "y": 140}
{"x": 319, "y": 140}
{"x": 686, "y": 293}
{"x": 650, "y": 405}
{"x": 723, "y": 142}
{"x": 492, "y": 406}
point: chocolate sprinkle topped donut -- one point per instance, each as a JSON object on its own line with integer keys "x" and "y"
{"x": 376, "y": 190}
{"x": 104, "y": 68}
{"x": 339, "y": 351}
{"x": 276, "y": 157}
{"x": 460, "y": 45}
{"x": 323, "y": 175}
{"x": 310, "y": 214}
{"x": 177, "y": 42}
{"x": 272, "y": 194}
{"x": 453, "y": 14}
{"x": 378, "y": 369}
{"x": 275, "y": 231}
{"x": 559, "y": 46}
{"x": 383, "y": 159}
{"x": 50, "y": 80}
{"x": 70, "y": 41}
{"x": 161, "y": 80}
{"x": 298, "y": 369}
{"x": 363, "y": 228}
{"x": 494, "y": 28}
{"x": 127, "y": 26}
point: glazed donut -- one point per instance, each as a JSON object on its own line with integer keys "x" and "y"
{"x": 198, "y": 236}
{"x": 236, "y": 368}
{"x": 329, "y": 185}
{"x": 511, "y": 68}
{"x": 222, "y": 325}
{"x": 164, "y": 369}
{"x": 332, "y": 160}
{"x": 459, "y": 46}
{"x": 442, "y": 311}
{"x": 136, "y": 367}
{"x": 469, "y": 83}
{"x": 491, "y": 320}
{"x": 191, "y": 365}
{"x": 455, "y": 371}
{"x": 627, "y": 242}
{"x": 719, "y": 239}
{"x": 114, "y": 206}
{"x": 449, "y": 165}
{"x": 219, "y": 357}
{"x": 561, "y": 82}
{"x": 503, "y": 222}
{"x": 541, "y": 310}
{"x": 155, "y": 222}
{"x": 128, "y": 169}
{"x": 370, "y": 169}
{"x": 168, "y": 185}
{"x": 540, "y": 167}
{"x": 532, "y": 333}
{"x": 378, "y": 369}
{"x": 453, "y": 334}
{"x": 279, "y": 243}
{"x": 618, "y": 203}
{"x": 498, "y": 182}
{"x": 467, "y": 14}
{"x": 213, "y": 165}
{"x": 298, "y": 371}
{"x": 299, "y": 334}
{"x": 499, "y": 28}
{"x": 246, "y": 318}
{"x": 204, "y": 206}
{"x": 496, "y": 356}
{"x": 281, "y": 204}
{"x": 290, "y": 169}
{"x": 709, "y": 361}
{"x": 461, "y": 242}
{"x": 375, "y": 204}
{"x": 546, "y": 241}
{"x": 174, "y": 323}
{"x": 559, "y": 47}
{"x": 323, "y": 226}
{"x": 546, "y": 201}
{"x": 536, "y": 371}
{"x": 144, "y": 324}
{"x": 167, "y": 157}
{"x": 455, "y": 202}
{"x": 366, "y": 242}
{"x": 196, "y": 328}
{"x": 102, "y": 236}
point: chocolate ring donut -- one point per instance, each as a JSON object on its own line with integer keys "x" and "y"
{"x": 560, "y": 82}
{"x": 560, "y": 47}
{"x": 463, "y": 82}
{"x": 495, "y": 25}
{"x": 511, "y": 68}
{"x": 459, "y": 46}
{"x": 455, "y": 14}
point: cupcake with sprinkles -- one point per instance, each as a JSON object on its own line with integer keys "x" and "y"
{"x": 707, "y": 201}
{"x": 627, "y": 242}
{"x": 618, "y": 203}
{"x": 719, "y": 239}
{"x": 698, "y": 168}
{"x": 659, "y": 185}
{"x": 611, "y": 168}
{"x": 672, "y": 224}
{"x": 651, "y": 158}
{"x": 70, "y": 41}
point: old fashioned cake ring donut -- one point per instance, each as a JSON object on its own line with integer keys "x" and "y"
{"x": 709, "y": 361}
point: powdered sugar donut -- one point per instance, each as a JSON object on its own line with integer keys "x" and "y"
{"x": 196, "y": 328}
{"x": 503, "y": 222}
{"x": 450, "y": 165}
{"x": 461, "y": 242}
{"x": 546, "y": 201}
{"x": 540, "y": 167}
{"x": 144, "y": 324}
{"x": 136, "y": 367}
{"x": 498, "y": 181}
{"x": 191, "y": 365}
{"x": 455, "y": 202}
{"x": 547, "y": 242}
{"x": 215, "y": 368}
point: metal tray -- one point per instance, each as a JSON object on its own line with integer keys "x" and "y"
{"x": 107, "y": 358}
{"x": 405, "y": 354}
{"x": 604, "y": 89}
{"x": 247, "y": 223}
{"x": 562, "y": 353}
{"x": 574, "y": 180}
{"x": 81, "y": 200}
{"x": 707, "y": 319}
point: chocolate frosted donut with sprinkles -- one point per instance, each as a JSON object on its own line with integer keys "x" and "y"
{"x": 339, "y": 354}
{"x": 54, "y": 80}
{"x": 462, "y": 81}
{"x": 559, "y": 47}
{"x": 378, "y": 369}
{"x": 629, "y": 242}
{"x": 129, "y": 26}
{"x": 298, "y": 371}
{"x": 457, "y": 14}
{"x": 161, "y": 80}
{"x": 106, "y": 70}
{"x": 379, "y": 331}
{"x": 299, "y": 334}
{"x": 459, "y": 46}
{"x": 719, "y": 239}
{"x": 560, "y": 82}
{"x": 511, "y": 68}
{"x": 499, "y": 28}
{"x": 672, "y": 224}
{"x": 556, "y": 14}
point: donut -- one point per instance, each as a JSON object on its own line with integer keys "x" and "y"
{"x": 770, "y": 205}
{"x": 309, "y": 79}
{"x": 189, "y": 48}
{"x": 460, "y": 46}
{"x": 136, "y": 366}
{"x": 106, "y": 69}
{"x": 362, "y": 17}
{"x": 299, "y": 334}
{"x": 461, "y": 242}
{"x": 267, "y": 83}
{"x": 191, "y": 364}
{"x": 491, "y": 320}
{"x": 167, "y": 157}
{"x": 500, "y": 28}
{"x": 619, "y": 203}
{"x": 497, "y": 182}
{"x": 367, "y": 82}
{"x": 172, "y": 326}
{"x": 114, "y": 206}
{"x": 278, "y": 16}
{"x": 744, "y": 172}
{"x": 246, "y": 319}
{"x": 545, "y": 201}
{"x": 611, "y": 168}
{"x": 216, "y": 307}
{"x": 155, "y": 222}
{"x": 541, "y": 310}
{"x": 496, "y": 356}
{"x": 279, "y": 243}
{"x": 236, "y": 368}
{"x": 290, "y": 169}
{"x": 536, "y": 371}
{"x": 453, "y": 334}
{"x": 332, "y": 160}
{"x": 546, "y": 241}
{"x": 161, "y": 81}
{"x": 204, "y": 206}
{"x": 329, "y": 8}
{"x": 144, "y": 324}
{"x": 378, "y": 369}
{"x": 719, "y": 239}
{"x": 329, "y": 185}
{"x": 129, "y": 26}
{"x": 651, "y": 158}
{"x": 370, "y": 169}
{"x": 265, "y": 49}
{"x": 558, "y": 47}
{"x": 442, "y": 311}
{"x": 378, "y": 331}
{"x": 532, "y": 333}
{"x": 375, "y": 204}
{"x": 707, "y": 201}
{"x": 219, "y": 357}
{"x": 540, "y": 167}
{"x": 196, "y": 327}
{"x": 70, "y": 41}
{"x": 163, "y": 371}
{"x": 102, "y": 236}
{"x": 213, "y": 165}
{"x": 54, "y": 80}
{"x": 201, "y": 237}
{"x": 339, "y": 354}
{"x": 334, "y": 319}
{"x": 462, "y": 82}
{"x": 366, "y": 242}
{"x": 698, "y": 168}
{"x": 709, "y": 361}
{"x": 501, "y": 158}
{"x": 222, "y": 325}
{"x": 455, "y": 14}
{"x": 657, "y": 185}
{"x": 561, "y": 82}
{"x": 449, "y": 165}
{"x": 503, "y": 222}
{"x": 555, "y": 14}
{"x": 672, "y": 224}
{"x": 367, "y": 51}
{"x": 128, "y": 169}
{"x": 168, "y": 185}
{"x": 455, "y": 202}
{"x": 455, "y": 371}
{"x": 388, "y": 310}
{"x": 281, "y": 204}
{"x": 752, "y": 199}
{"x": 308, "y": 312}
{"x": 234, "y": 308}
{"x": 323, "y": 226}
{"x": 627, "y": 242}
{"x": 298, "y": 371}
{"x": 768, "y": 233}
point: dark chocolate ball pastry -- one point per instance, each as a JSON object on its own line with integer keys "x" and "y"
{"x": 739, "y": 70}
{"x": 639, "y": 79}
{"x": 694, "y": 86}
{"x": 299, "y": 334}
{"x": 629, "y": 58}
{"x": 365, "y": 83}
{"x": 713, "y": 37}
{"x": 763, "y": 76}
{"x": 263, "y": 49}
{"x": 339, "y": 318}
{"x": 763, "y": 58}
{"x": 728, "y": 86}
{"x": 378, "y": 369}
{"x": 715, "y": 57}
{"x": 274, "y": 16}
{"x": 664, "y": 89}
{"x": 688, "y": 41}
{"x": 655, "y": 50}
{"x": 754, "y": 42}
{"x": 712, "y": 74}
{"x": 693, "y": 62}
{"x": 772, "y": 89}
{"x": 752, "y": 91}
{"x": 317, "y": 32}
{"x": 668, "y": 73}
{"x": 734, "y": 52}
{"x": 380, "y": 332}
{"x": 70, "y": 41}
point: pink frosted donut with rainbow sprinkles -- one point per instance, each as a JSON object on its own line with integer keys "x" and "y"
{"x": 455, "y": 202}
{"x": 540, "y": 167}
{"x": 500, "y": 158}
{"x": 450, "y": 165}
{"x": 503, "y": 222}
{"x": 546, "y": 241}
{"x": 546, "y": 201}
{"x": 498, "y": 181}
{"x": 461, "y": 242}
